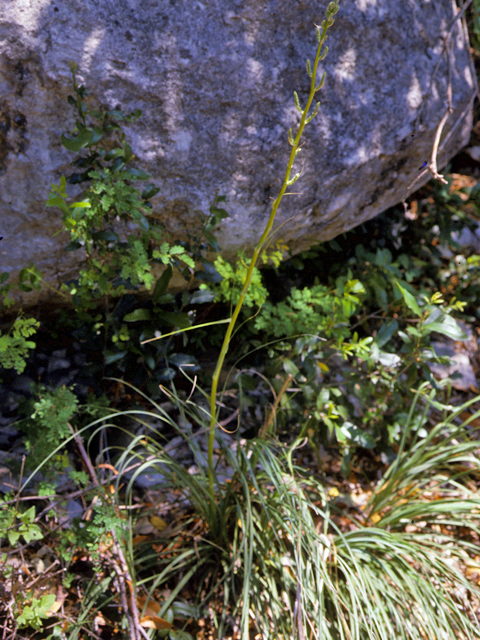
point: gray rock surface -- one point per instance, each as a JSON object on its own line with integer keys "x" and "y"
{"x": 215, "y": 81}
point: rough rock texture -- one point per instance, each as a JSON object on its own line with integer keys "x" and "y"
{"x": 214, "y": 80}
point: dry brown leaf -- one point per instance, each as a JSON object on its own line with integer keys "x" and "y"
{"x": 151, "y": 609}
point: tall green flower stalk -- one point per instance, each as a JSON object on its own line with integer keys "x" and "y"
{"x": 287, "y": 182}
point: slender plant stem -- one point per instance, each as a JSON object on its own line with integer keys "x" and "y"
{"x": 295, "y": 143}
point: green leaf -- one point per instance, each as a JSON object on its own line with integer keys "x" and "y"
{"x": 180, "y": 320}
{"x": 127, "y": 152}
{"x": 97, "y": 135}
{"x": 138, "y": 315}
{"x": 137, "y": 174}
{"x": 388, "y": 359}
{"x": 409, "y": 300}
{"x": 380, "y": 293}
{"x": 447, "y": 326}
{"x": 358, "y": 436}
{"x": 150, "y": 191}
{"x": 162, "y": 284}
{"x": 180, "y": 635}
{"x": 81, "y": 141}
{"x": 47, "y": 602}
{"x": 218, "y": 213}
{"x": 212, "y": 241}
{"x": 85, "y": 204}
{"x": 297, "y": 102}
{"x": 114, "y": 153}
{"x": 183, "y": 360}
{"x": 201, "y": 296}
{"x": 386, "y": 332}
{"x": 143, "y": 223}
{"x": 105, "y": 236}
{"x": 116, "y": 113}
{"x": 383, "y": 257}
{"x": 117, "y": 165}
{"x": 31, "y": 532}
{"x": 114, "y": 356}
{"x": 290, "y": 367}
{"x": 28, "y": 516}
{"x": 56, "y": 201}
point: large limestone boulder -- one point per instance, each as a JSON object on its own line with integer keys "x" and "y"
{"x": 215, "y": 82}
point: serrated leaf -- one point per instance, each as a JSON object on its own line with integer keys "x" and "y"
{"x": 312, "y": 116}
{"x": 322, "y": 80}
{"x": 176, "y": 250}
{"x": 294, "y": 179}
{"x": 297, "y": 102}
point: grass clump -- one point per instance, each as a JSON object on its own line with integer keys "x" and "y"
{"x": 276, "y": 555}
